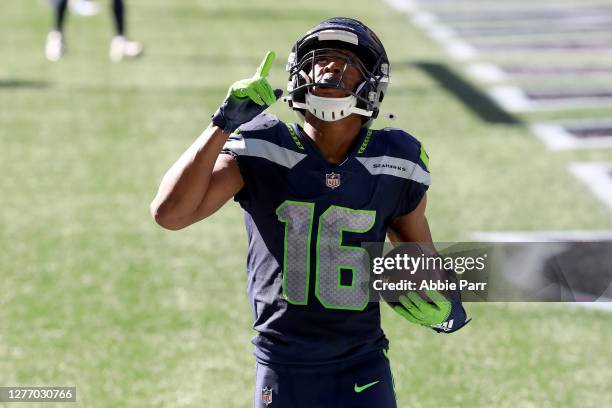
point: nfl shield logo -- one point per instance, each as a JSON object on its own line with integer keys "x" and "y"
{"x": 266, "y": 395}
{"x": 332, "y": 180}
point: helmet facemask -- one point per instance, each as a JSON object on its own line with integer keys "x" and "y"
{"x": 361, "y": 99}
{"x": 309, "y": 81}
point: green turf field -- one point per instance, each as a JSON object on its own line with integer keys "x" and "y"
{"x": 94, "y": 294}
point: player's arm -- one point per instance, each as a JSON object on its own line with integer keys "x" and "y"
{"x": 441, "y": 314}
{"x": 412, "y": 227}
{"x": 198, "y": 183}
{"x": 202, "y": 180}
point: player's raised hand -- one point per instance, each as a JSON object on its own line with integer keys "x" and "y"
{"x": 247, "y": 98}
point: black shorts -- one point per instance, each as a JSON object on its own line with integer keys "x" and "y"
{"x": 363, "y": 383}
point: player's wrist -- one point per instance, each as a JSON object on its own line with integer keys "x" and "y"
{"x": 224, "y": 121}
{"x": 218, "y": 120}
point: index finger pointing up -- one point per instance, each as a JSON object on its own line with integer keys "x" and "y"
{"x": 266, "y": 64}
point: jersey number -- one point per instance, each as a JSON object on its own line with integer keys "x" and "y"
{"x": 331, "y": 256}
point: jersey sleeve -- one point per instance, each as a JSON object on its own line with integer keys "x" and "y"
{"x": 418, "y": 181}
{"x": 235, "y": 146}
{"x": 262, "y": 127}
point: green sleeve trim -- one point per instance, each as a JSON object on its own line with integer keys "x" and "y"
{"x": 424, "y": 157}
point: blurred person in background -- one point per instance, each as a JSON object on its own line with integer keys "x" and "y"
{"x": 120, "y": 47}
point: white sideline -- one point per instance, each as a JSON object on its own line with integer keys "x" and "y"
{"x": 597, "y": 177}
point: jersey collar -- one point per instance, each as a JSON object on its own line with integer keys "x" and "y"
{"x": 314, "y": 149}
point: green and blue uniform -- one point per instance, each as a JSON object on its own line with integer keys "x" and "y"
{"x": 306, "y": 219}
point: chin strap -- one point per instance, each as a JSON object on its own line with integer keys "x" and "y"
{"x": 331, "y": 109}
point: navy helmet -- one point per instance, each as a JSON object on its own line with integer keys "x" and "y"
{"x": 339, "y": 33}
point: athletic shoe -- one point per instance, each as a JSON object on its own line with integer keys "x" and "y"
{"x": 55, "y": 47}
{"x": 122, "y": 48}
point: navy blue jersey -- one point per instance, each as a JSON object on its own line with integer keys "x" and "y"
{"x": 308, "y": 277}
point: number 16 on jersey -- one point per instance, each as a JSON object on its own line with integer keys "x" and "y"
{"x": 331, "y": 255}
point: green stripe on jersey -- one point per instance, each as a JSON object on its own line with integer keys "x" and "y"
{"x": 424, "y": 157}
{"x": 364, "y": 145}
{"x": 294, "y": 137}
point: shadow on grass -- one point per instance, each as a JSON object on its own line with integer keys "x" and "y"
{"x": 20, "y": 83}
{"x": 475, "y": 100}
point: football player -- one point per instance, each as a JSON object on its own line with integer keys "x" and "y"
{"x": 312, "y": 194}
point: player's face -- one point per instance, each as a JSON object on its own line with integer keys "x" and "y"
{"x": 333, "y": 66}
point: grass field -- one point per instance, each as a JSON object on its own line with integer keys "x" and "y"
{"x": 94, "y": 294}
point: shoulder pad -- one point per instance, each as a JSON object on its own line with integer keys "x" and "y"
{"x": 399, "y": 143}
{"x": 401, "y": 134}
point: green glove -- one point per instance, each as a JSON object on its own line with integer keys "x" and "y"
{"x": 247, "y": 98}
{"x": 256, "y": 88}
{"x": 418, "y": 310}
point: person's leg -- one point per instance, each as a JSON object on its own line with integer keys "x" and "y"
{"x": 121, "y": 47}
{"x": 367, "y": 384}
{"x": 54, "y": 48}
{"x": 283, "y": 386}
{"x": 273, "y": 387}
{"x": 59, "y": 15}
{"x": 119, "y": 17}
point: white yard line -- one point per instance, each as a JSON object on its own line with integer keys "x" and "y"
{"x": 605, "y": 305}
{"x": 444, "y": 35}
{"x": 515, "y": 99}
{"x": 438, "y": 32}
{"x": 556, "y": 136}
{"x": 542, "y": 236}
{"x": 511, "y": 98}
{"x": 597, "y": 177}
{"x": 487, "y": 72}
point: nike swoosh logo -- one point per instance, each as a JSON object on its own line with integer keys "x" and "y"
{"x": 358, "y": 389}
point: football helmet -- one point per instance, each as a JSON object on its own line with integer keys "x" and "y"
{"x": 330, "y": 36}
